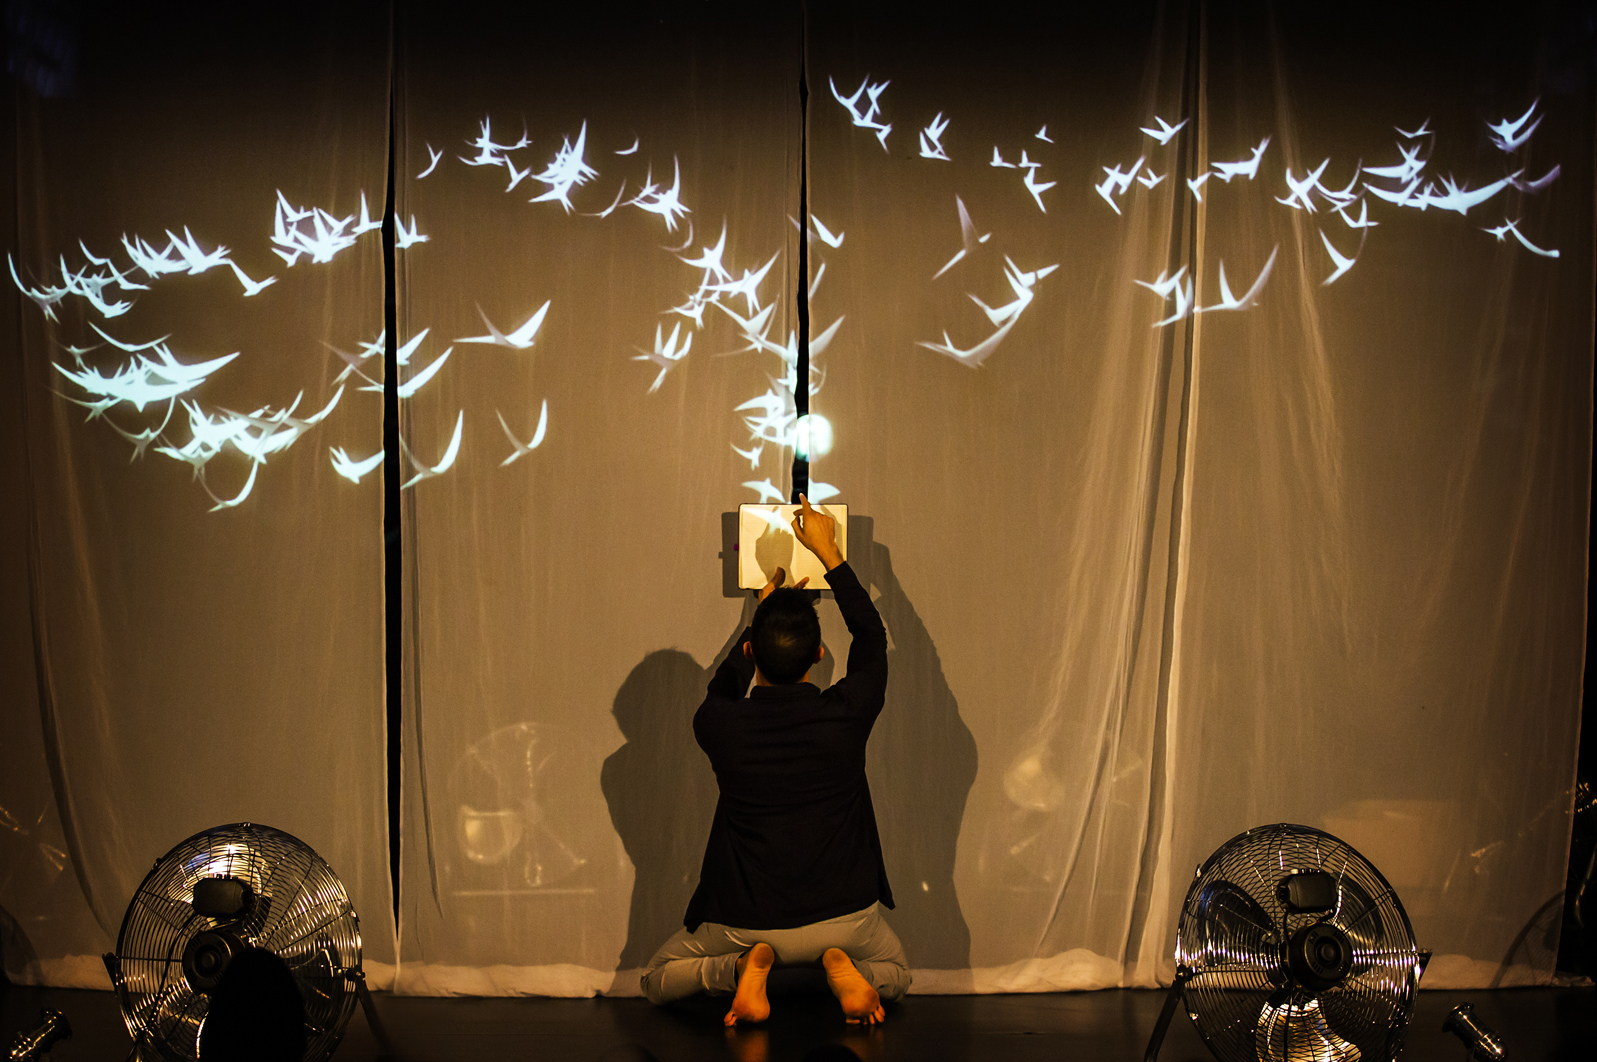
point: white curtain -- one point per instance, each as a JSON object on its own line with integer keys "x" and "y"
{"x": 1209, "y": 385}
{"x": 194, "y": 628}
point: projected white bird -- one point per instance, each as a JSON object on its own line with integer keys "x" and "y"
{"x": 768, "y": 491}
{"x": 568, "y": 170}
{"x": 516, "y": 176}
{"x": 1400, "y": 197}
{"x": 825, "y": 234}
{"x": 819, "y": 492}
{"x": 406, "y": 349}
{"x": 1150, "y": 179}
{"x": 488, "y": 152}
{"x": 709, "y": 260}
{"x": 751, "y": 455}
{"x": 1229, "y": 301}
{"x": 633, "y": 150}
{"x": 1404, "y": 171}
{"x": 754, "y": 327}
{"x": 931, "y": 139}
{"x": 45, "y": 297}
{"x": 1042, "y": 134}
{"x": 523, "y": 448}
{"x": 520, "y": 339}
{"x": 1513, "y": 227}
{"x": 867, "y": 118}
{"x": 1248, "y": 167}
{"x": 367, "y": 223}
{"x": 430, "y": 471}
{"x": 1512, "y": 135}
{"x": 351, "y": 468}
{"x": 1165, "y": 130}
{"x": 1363, "y": 221}
{"x": 266, "y": 431}
{"x": 1342, "y": 262}
{"x": 404, "y": 238}
{"x": 1003, "y": 317}
{"x": 408, "y": 388}
{"x": 967, "y": 236}
{"x": 196, "y": 258}
{"x": 1195, "y": 185}
{"x": 1340, "y": 198}
{"x": 774, "y": 427}
{"x": 251, "y": 287}
{"x": 998, "y": 161}
{"x": 1423, "y": 130}
{"x": 145, "y": 380}
{"x": 327, "y": 236}
{"x": 1539, "y": 184}
{"x": 431, "y": 166}
{"x": 1462, "y": 200}
{"x": 666, "y": 354}
{"x": 666, "y": 203}
{"x": 1116, "y": 181}
{"x": 747, "y": 285}
{"x": 971, "y": 356}
{"x": 1036, "y": 188}
{"x": 687, "y": 241}
{"x": 815, "y": 283}
{"x": 789, "y": 353}
{"x": 1298, "y": 197}
{"x": 1021, "y": 283}
{"x": 154, "y": 263}
{"x": 693, "y": 309}
{"x": 142, "y": 439}
{"x": 91, "y": 286}
{"x": 1168, "y": 287}
{"x": 238, "y": 499}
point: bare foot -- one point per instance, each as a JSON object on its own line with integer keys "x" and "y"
{"x": 861, "y": 1004}
{"x": 750, "y": 1004}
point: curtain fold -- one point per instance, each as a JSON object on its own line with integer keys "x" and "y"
{"x": 200, "y": 578}
{"x": 598, "y": 221}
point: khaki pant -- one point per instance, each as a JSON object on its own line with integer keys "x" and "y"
{"x": 706, "y": 959}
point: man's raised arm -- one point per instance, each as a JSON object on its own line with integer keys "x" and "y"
{"x": 867, "y": 654}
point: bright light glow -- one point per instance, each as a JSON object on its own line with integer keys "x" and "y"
{"x": 812, "y": 437}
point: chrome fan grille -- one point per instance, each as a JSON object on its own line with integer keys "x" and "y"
{"x": 1243, "y": 997}
{"x": 300, "y": 912}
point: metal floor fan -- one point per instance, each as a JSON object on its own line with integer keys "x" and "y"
{"x": 1292, "y": 947}
{"x": 204, "y": 903}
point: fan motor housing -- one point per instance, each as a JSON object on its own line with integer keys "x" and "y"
{"x": 207, "y": 956}
{"x": 1319, "y": 956}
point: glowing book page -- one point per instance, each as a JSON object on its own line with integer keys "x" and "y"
{"x": 766, "y": 543}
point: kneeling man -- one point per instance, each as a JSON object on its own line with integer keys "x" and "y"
{"x": 793, "y": 870}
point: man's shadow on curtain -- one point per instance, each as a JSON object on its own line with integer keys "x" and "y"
{"x": 921, "y": 760}
{"x": 661, "y": 793}
{"x": 922, "y": 763}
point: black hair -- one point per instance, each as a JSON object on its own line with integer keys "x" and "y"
{"x": 785, "y": 634}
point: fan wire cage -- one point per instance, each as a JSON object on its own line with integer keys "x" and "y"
{"x": 1241, "y": 994}
{"x": 299, "y": 912}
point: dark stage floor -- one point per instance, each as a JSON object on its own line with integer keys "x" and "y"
{"x": 1536, "y": 1024}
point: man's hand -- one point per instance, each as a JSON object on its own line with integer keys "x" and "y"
{"x": 818, "y": 532}
{"x": 777, "y": 579}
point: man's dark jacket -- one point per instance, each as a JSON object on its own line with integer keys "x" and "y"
{"x": 794, "y": 838}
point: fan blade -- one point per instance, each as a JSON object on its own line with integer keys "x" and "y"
{"x": 1232, "y": 930}
{"x": 1298, "y": 1031}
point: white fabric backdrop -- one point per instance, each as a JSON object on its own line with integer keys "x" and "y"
{"x": 178, "y": 667}
{"x": 1318, "y": 559}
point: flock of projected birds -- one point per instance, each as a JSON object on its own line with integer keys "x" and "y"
{"x": 146, "y": 381}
